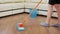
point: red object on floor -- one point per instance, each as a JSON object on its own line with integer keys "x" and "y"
{"x": 20, "y": 25}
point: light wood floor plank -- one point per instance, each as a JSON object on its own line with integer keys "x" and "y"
{"x": 8, "y": 25}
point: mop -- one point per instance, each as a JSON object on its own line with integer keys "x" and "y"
{"x": 20, "y": 26}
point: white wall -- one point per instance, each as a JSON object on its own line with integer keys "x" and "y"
{"x": 42, "y": 6}
{"x": 20, "y": 4}
{"x": 3, "y": 1}
{"x": 11, "y": 6}
{"x": 8, "y": 5}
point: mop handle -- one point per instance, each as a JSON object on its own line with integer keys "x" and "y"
{"x": 37, "y": 4}
{"x": 32, "y": 11}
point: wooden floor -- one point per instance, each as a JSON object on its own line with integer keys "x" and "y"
{"x": 8, "y": 25}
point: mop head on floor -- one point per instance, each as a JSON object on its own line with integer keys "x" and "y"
{"x": 20, "y": 27}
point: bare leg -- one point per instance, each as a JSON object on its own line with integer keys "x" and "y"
{"x": 49, "y": 13}
{"x": 46, "y": 24}
{"x": 57, "y": 6}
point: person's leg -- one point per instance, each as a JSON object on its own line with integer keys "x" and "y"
{"x": 58, "y": 12}
{"x": 48, "y": 16}
{"x": 49, "y": 13}
{"x": 57, "y": 6}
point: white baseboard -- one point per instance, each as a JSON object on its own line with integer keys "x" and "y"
{"x": 43, "y": 13}
{"x": 46, "y": 13}
{"x": 10, "y": 12}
